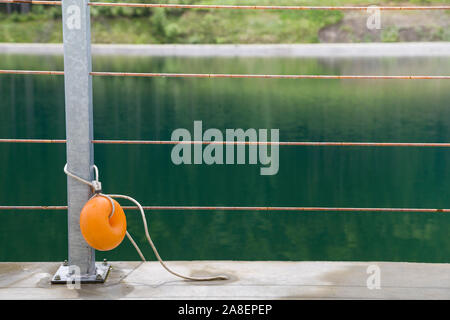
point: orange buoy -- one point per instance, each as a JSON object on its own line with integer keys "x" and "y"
{"x": 99, "y": 230}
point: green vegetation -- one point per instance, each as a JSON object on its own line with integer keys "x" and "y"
{"x": 390, "y": 34}
{"x": 158, "y": 25}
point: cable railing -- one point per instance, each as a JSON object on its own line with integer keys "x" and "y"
{"x": 239, "y": 76}
{"x": 243, "y": 208}
{"x": 280, "y": 143}
{"x": 77, "y": 73}
{"x": 233, "y": 76}
{"x": 235, "y": 7}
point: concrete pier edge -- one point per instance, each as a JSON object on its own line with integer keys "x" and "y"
{"x": 335, "y": 50}
{"x": 248, "y": 280}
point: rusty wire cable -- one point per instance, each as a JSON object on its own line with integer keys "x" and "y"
{"x": 281, "y": 143}
{"x": 32, "y": 141}
{"x": 240, "y": 208}
{"x": 33, "y": 72}
{"x": 243, "y": 208}
{"x": 233, "y": 76}
{"x": 54, "y": 3}
{"x": 260, "y": 7}
{"x": 266, "y": 76}
{"x": 239, "y": 7}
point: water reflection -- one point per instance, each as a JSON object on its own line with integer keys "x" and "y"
{"x": 303, "y": 110}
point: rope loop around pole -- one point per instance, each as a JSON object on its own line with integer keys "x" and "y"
{"x": 95, "y": 185}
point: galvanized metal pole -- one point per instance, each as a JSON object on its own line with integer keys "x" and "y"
{"x": 79, "y": 134}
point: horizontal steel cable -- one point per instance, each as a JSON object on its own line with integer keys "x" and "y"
{"x": 32, "y": 141}
{"x": 259, "y": 7}
{"x": 33, "y": 72}
{"x": 263, "y": 76}
{"x": 228, "y": 208}
{"x": 235, "y": 76}
{"x": 33, "y": 207}
{"x": 245, "y": 7}
{"x": 54, "y": 3}
{"x": 281, "y": 143}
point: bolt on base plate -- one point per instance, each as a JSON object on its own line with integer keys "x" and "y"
{"x": 67, "y": 274}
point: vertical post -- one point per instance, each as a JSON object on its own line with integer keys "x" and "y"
{"x": 79, "y": 125}
{"x": 81, "y": 266}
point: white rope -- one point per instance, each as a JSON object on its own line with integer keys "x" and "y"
{"x": 70, "y": 174}
{"x": 135, "y": 246}
{"x": 149, "y": 239}
{"x": 96, "y": 186}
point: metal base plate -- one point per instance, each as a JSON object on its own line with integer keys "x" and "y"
{"x": 63, "y": 275}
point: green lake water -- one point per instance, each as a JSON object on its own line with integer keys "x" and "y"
{"x": 303, "y": 110}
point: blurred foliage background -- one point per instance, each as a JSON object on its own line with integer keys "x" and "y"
{"x": 42, "y": 23}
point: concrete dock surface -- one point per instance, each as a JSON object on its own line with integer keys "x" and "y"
{"x": 247, "y": 280}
